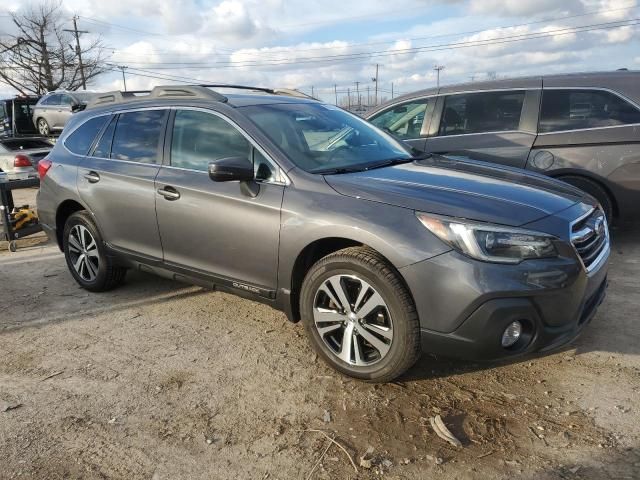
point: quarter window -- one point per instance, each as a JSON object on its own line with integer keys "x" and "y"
{"x": 137, "y": 136}
{"x": 481, "y": 112}
{"x": 404, "y": 120}
{"x": 81, "y": 139}
{"x": 200, "y": 137}
{"x": 579, "y": 109}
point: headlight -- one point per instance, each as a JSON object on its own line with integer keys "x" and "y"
{"x": 490, "y": 243}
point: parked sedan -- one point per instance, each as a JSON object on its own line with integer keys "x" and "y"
{"x": 55, "y": 108}
{"x": 20, "y": 156}
{"x": 581, "y": 128}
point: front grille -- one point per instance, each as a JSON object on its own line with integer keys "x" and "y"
{"x": 590, "y": 237}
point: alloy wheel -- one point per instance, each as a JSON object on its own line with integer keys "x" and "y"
{"x": 83, "y": 252}
{"x": 353, "y": 320}
{"x": 43, "y": 128}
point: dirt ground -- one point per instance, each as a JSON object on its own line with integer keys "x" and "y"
{"x": 159, "y": 380}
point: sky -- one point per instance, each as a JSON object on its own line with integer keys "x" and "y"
{"x": 332, "y": 44}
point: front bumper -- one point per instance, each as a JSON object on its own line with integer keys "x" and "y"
{"x": 464, "y": 305}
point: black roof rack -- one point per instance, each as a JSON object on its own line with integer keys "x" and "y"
{"x": 185, "y": 91}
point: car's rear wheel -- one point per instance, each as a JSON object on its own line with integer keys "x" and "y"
{"x": 359, "y": 315}
{"x": 593, "y": 189}
{"x": 85, "y": 254}
{"x": 43, "y": 127}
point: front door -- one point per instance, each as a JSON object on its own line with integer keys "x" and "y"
{"x": 116, "y": 181}
{"x": 218, "y": 228}
{"x": 494, "y": 126}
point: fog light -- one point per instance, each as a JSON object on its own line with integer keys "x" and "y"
{"x": 512, "y": 334}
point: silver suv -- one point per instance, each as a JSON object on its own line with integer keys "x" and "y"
{"x": 298, "y": 204}
{"x": 54, "y": 109}
{"x": 580, "y": 128}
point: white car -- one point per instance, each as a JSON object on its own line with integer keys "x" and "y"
{"x": 19, "y": 157}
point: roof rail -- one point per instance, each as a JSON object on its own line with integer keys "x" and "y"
{"x": 184, "y": 91}
{"x": 170, "y": 91}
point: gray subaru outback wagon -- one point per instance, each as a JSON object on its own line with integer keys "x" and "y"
{"x": 383, "y": 254}
{"x": 581, "y": 128}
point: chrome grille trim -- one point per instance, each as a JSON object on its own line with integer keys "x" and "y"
{"x": 591, "y": 246}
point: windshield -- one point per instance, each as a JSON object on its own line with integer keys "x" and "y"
{"x": 322, "y": 138}
{"x": 84, "y": 97}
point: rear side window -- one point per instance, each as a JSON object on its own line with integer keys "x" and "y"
{"x": 404, "y": 120}
{"x": 482, "y": 112}
{"x": 82, "y": 138}
{"x": 200, "y": 137}
{"x": 137, "y": 136}
{"x": 103, "y": 147}
{"x": 52, "y": 100}
{"x": 579, "y": 109}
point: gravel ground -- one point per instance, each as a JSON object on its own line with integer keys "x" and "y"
{"x": 159, "y": 380}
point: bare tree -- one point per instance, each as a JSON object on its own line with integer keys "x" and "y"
{"x": 40, "y": 56}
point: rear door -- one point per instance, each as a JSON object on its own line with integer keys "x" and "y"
{"x": 408, "y": 120}
{"x": 218, "y": 227}
{"x": 496, "y": 126}
{"x": 117, "y": 179}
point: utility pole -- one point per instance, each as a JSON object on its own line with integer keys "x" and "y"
{"x": 312, "y": 92}
{"x": 349, "y": 99}
{"x": 438, "y": 68}
{"x": 358, "y": 92}
{"x": 124, "y": 80}
{"x": 77, "y": 33}
{"x": 368, "y": 96}
{"x": 391, "y": 90}
{"x": 376, "y": 85}
{"x": 335, "y": 90}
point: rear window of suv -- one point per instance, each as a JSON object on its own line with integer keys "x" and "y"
{"x": 579, "y": 109}
{"x": 137, "y": 136}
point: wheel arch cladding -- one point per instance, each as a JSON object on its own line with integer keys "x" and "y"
{"x": 64, "y": 211}
{"x": 310, "y": 255}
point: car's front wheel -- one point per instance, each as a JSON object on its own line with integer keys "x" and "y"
{"x": 85, "y": 254}
{"x": 359, "y": 315}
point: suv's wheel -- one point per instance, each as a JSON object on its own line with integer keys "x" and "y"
{"x": 85, "y": 254}
{"x": 359, "y": 315}
{"x": 593, "y": 189}
{"x": 43, "y": 127}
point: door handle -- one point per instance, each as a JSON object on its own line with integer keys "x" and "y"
{"x": 169, "y": 193}
{"x": 92, "y": 177}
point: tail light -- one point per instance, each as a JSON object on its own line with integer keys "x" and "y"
{"x": 22, "y": 161}
{"x": 43, "y": 167}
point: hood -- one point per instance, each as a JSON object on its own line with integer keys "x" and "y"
{"x": 462, "y": 188}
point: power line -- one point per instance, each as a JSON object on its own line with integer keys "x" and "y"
{"x": 385, "y": 53}
{"x": 349, "y": 45}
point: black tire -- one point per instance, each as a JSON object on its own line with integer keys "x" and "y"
{"x": 43, "y": 127}
{"x": 593, "y": 189}
{"x": 107, "y": 275}
{"x": 366, "y": 264}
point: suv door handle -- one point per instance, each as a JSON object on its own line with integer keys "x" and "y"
{"x": 169, "y": 193}
{"x": 92, "y": 177}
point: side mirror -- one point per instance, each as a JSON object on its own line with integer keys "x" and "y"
{"x": 231, "y": 169}
{"x": 78, "y": 107}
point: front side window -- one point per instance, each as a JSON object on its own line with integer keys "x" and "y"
{"x": 137, "y": 136}
{"x": 481, "y": 112}
{"x": 81, "y": 139}
{"x": 579, "y": 109}
{"x": 200, "y": 137}
{"x": 404, "y": 120}
{"x": 322, "y": 138}
{"x": 66, "y": 100}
